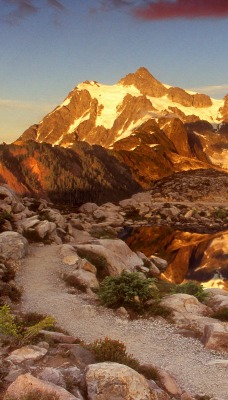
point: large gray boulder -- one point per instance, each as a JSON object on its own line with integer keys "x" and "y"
{"x": 116, "y": 381}
{"x": 117, "y": 255}
{"x": 13, "y": 245}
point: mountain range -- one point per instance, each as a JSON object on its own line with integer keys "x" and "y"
{"x": 116, "y": 140}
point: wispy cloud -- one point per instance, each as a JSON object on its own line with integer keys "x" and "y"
{"x": 14, "y": 11}
{"x": 169, "y": 9}
{"x": 217, "y": 91}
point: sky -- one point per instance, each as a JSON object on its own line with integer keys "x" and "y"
{"x": 49, "y": 46}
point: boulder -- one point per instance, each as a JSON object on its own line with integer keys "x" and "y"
{"x": 52, "y": 375}
{"x": 114, "y": 253}
{"x": 184, "y": 305}
{"x": 31, "y": 353}
{"x": 54, "y": 216}
{"x": 13, "y": 245}
{"x": 216, "y": 336}
{"x": 218, "y": 302}
{"x": 160, "y": 263}
{"x": 57, "y": 337}
{"x": 116, "y": 381}
{"x": 7, "y": 193}
{"x": 27, "y": 383}
{"x": 81, "y": 278}
{"x": 88, "y": 208}
{"x": 45, "y": 228}
{"x": 169, "y": 383}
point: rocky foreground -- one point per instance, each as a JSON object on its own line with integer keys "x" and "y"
{"x": 81, "y": 247}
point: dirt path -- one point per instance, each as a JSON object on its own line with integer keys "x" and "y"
{"x": 195, "y": 368}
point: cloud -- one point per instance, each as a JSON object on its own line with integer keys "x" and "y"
{"x": 14, "y": 11}
{"x": 217, "y": 91}
{"x": 170, "y": 9}
{"x": 56, "y": 4}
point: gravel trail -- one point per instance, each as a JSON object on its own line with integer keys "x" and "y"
{"x": 198, "y": 370}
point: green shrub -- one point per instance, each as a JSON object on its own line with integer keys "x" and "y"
{"x": 112, "y": 350}
{"x": 193, "y": 289}
{"x": 220, "y": 213}
{"x": 10, "y": 327}
{"x": 222, "y": 314}
{"x": 128, "y": 289}
{"x": 5, "y": 215}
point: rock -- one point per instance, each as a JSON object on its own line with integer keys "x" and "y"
{"x": 45, "y": 228}
{"x": 116, "y": 381}
{"x": 88, "y": 208}
{"x": 27, "y": 383}
{"x": 80, "y": 356}
{"x": 54, "y": 216}
{"x": 160, "y": 263}
{"x": 58, "y": 336}
{"x": 52, "y": 375}
{"x": 122, "y": 312}
{"x": 28, "y": 223}
{"x": 13, "y": 245}
{"x": 71, "y": 259}
{"x": 81, "y": 279}
{"x": 169, "y": 383}
{"x": 189, "y": 214}
{"x": 31, "y": 353}
{"x": 218, "y": 302}
{"x": 6, "y": 192}
{"x": 216, "y": 336}
{"x": 18, "y": 207}
{"x": 114, "y": 253}
{"x": 184, "y": 306}
{"x": 72, "y": 374}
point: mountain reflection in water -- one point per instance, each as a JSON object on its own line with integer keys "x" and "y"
{"x": 190, "y": 256}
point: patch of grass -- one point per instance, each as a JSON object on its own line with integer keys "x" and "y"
{"x": 222, "y": 315}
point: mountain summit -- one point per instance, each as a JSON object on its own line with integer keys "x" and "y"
{"x": 103, "y": 114}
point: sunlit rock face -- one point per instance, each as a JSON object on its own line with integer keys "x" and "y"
{"x": 191, "y": 256}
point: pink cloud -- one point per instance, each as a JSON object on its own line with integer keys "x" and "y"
{"x": 166, "y": 9}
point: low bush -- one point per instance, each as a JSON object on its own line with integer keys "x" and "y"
{"x": 115, "y": 351}
{"x": 11, "y": 327}
{"x": 112, "y": 350}
{"x": 128, "y": 289}
{"x": 193, "y": 289}
{"x": 222, "y": 314}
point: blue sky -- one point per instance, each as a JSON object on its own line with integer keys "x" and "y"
{"x": 49, "y": 46}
